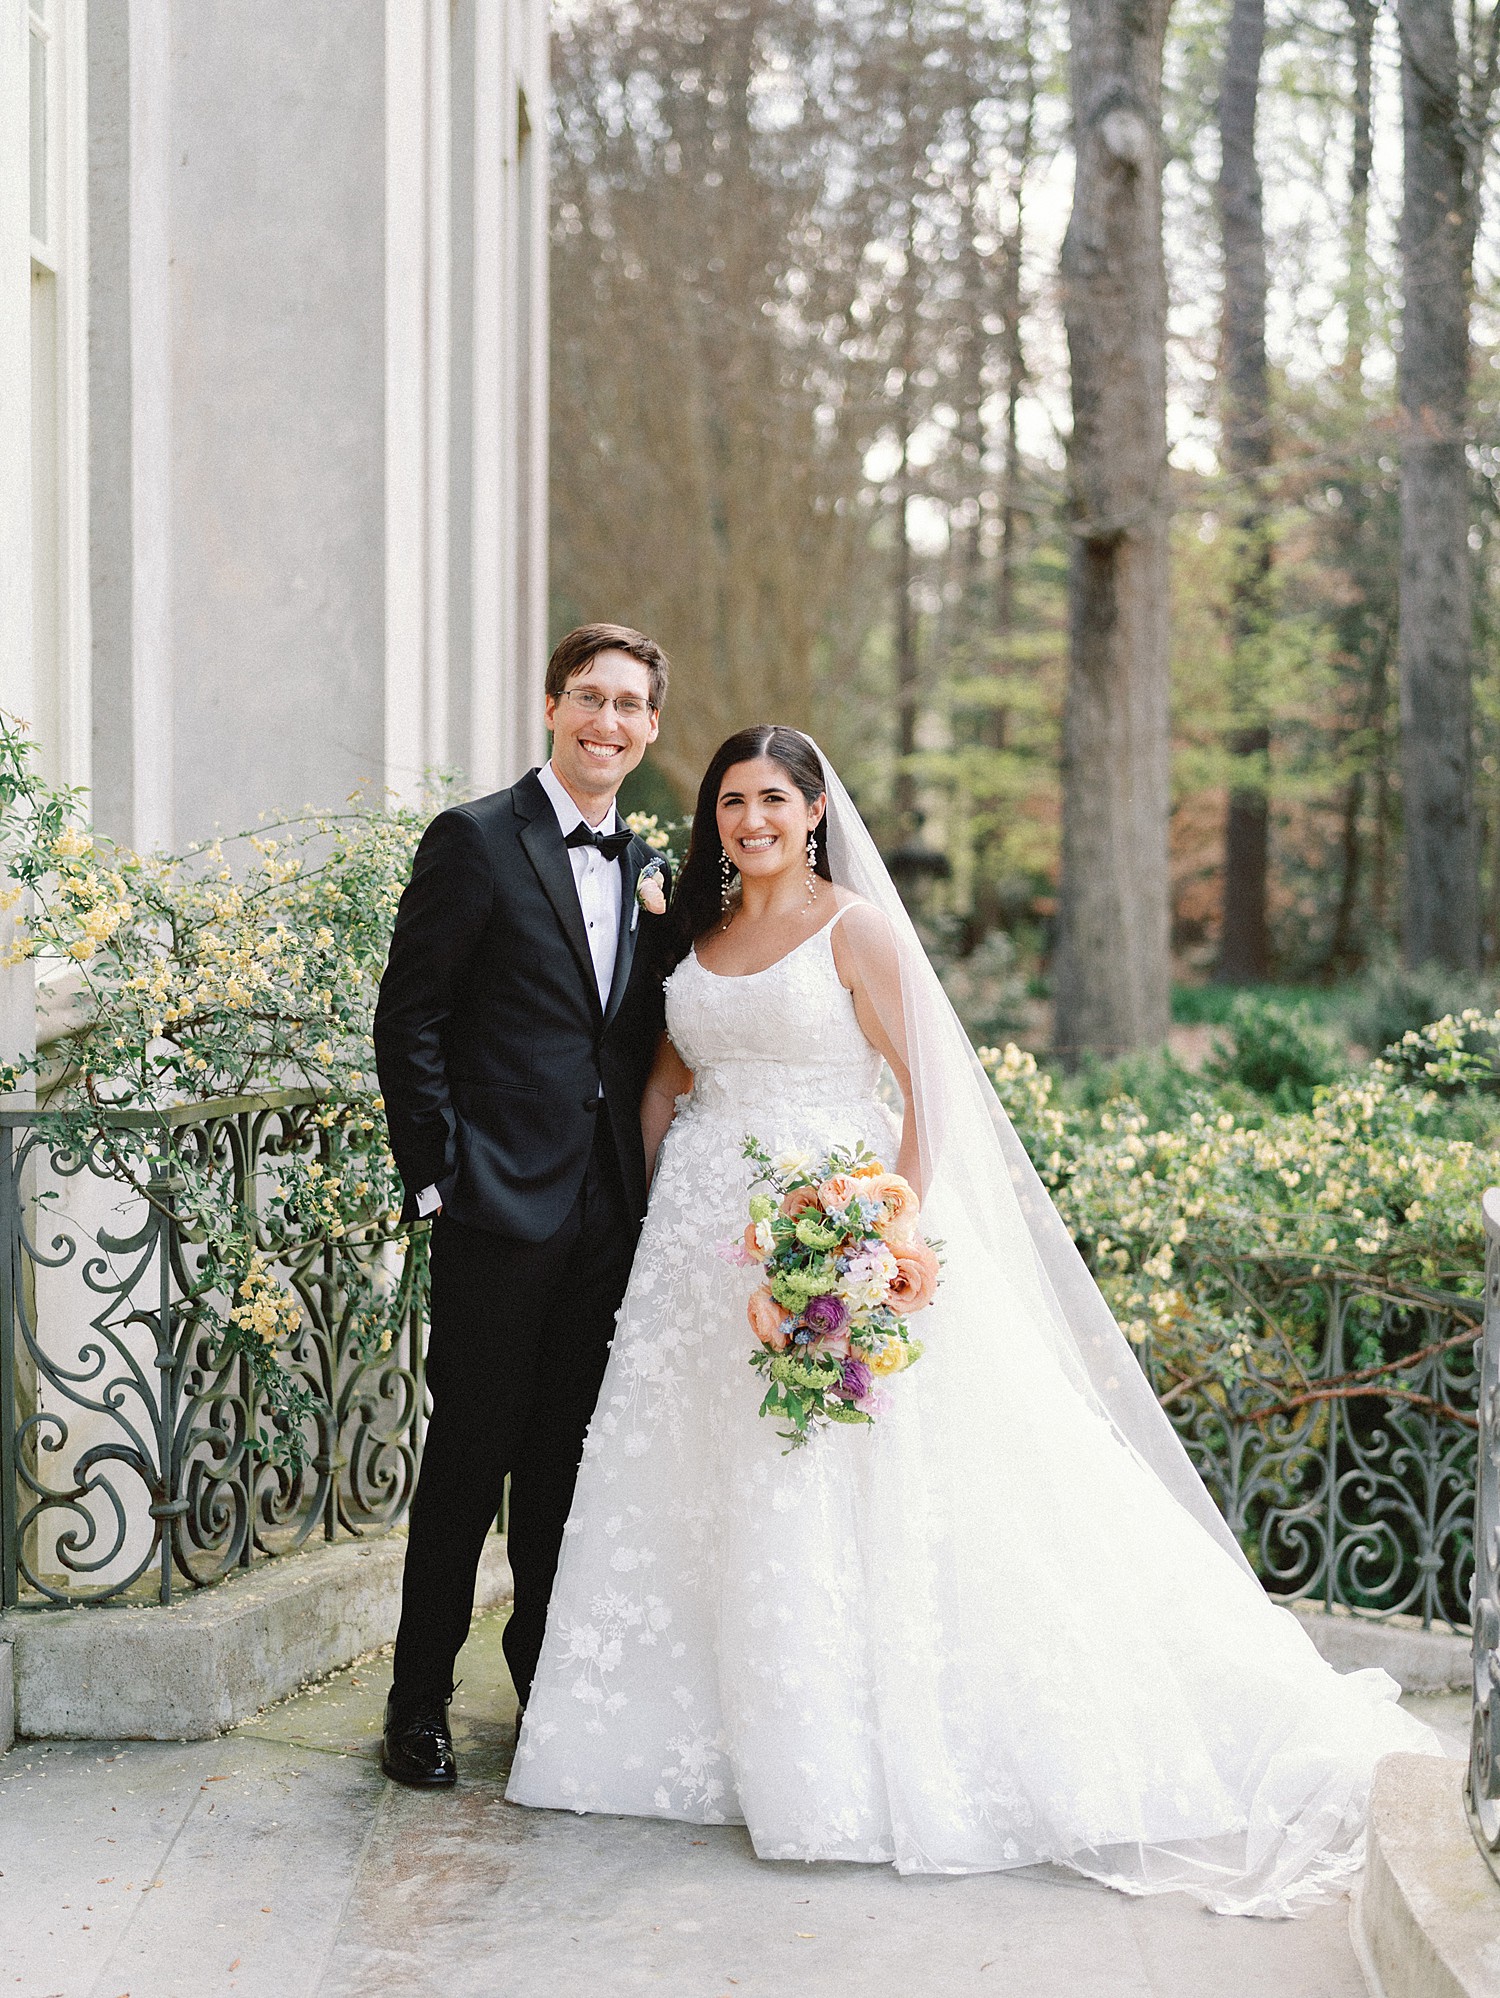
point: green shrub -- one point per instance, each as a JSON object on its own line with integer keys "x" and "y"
{"x": 1390, "y": 1000}
{"x": 241, "y": 968}
{"x": 1164, "y": 1088}
{"x": 1212, "y": 1233}
{"x": 1276, "y": 1051}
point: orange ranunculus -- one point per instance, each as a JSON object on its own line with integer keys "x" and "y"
{"x": 916, "y": 1278}
{"x": 799, "y": 1200}
{"x": 836, "y": 1192}
{"x": 768, "y": 1321}
{"x": 871, "y": 1169}
{"x": 899, "y": 1199}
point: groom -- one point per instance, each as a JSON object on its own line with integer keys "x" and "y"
{"x": 518, "y": 1017}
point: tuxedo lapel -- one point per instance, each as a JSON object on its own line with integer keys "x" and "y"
{"x": 541, "y": 837}
{"x": 631, "y": 863}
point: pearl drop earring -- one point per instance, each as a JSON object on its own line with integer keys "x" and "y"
{"x": 726, "y": 885}
{"x": 812, "y": 867}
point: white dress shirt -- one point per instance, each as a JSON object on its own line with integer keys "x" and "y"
{"x": 599, "y": 889}
{"x": 598, "y": 881}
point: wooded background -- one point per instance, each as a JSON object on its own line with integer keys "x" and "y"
{"x": 1084, "y": 420}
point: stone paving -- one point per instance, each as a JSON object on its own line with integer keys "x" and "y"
{"x": 276, "y": 1862}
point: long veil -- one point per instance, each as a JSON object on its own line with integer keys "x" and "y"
{"x": 979, "y": 1185}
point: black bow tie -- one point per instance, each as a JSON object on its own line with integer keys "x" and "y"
{"x": 611, "y": 845}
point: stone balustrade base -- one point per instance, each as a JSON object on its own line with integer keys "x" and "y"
{"x": 1420, "y": 1661}
{"x": 7, "y": 1697}
{"x": 185, "y": 1673}
{"x": 1426, "y": 1918}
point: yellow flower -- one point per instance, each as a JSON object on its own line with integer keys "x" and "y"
{"x": 886, "y": 1357}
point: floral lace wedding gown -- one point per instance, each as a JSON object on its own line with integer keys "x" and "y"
{"x": 978, "y": 1635}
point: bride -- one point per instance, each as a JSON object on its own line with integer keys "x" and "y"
{"x": 1003, "y": 1625}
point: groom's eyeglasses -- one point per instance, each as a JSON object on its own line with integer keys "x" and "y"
{"x": 629, "y": 707}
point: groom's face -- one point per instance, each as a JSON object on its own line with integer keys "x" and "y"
{"x": 602, "y": 724}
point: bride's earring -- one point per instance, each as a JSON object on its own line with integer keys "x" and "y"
{"x": 812, "y": 867}
{"x": 726, "y": 886}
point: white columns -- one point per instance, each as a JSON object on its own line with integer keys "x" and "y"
{"x": 151, "y": 383}
{"x": 493, "y": 639}
{"x": 15, "y": 360}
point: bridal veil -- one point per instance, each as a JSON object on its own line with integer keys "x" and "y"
{"x": 979, "y": 1183}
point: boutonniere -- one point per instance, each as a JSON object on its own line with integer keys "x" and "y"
{"x": 650, "y": 891}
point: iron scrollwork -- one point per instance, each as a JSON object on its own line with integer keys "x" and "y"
{"x": 1343, "y": 1457}
{"x": 1482, "y": 1789}
{"x": 133, "y": 1437}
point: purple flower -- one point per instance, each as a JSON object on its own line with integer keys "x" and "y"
{"x": 827, "y": 1314}
{"x": 855, "y": 1379}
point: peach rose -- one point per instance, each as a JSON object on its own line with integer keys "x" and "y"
{"x": 768, "y": 1321}
{"x": 799, "y": 1200}
{"x": 916, "y": 1278}
{"x": 751, "y": 1246}
{"x": 901, "y": 1205}
{"x": 836, "y": 1192}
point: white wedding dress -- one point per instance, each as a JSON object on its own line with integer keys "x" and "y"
{"x": 978, "y": 1635}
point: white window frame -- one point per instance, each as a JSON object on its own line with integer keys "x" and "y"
{"x": 61, "y": 26}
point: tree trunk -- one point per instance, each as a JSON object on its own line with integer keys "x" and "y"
{"x": 909, "y": 155}
{"x": 905, "y": 614}
{"x": 1440, "y": 899}
{"x": 1013, "y": 357}
{"x": 1343, "y": 952}
{"x": 1244, "y": 945}
{"x": 1357, "y": 301}
{"x": 1357, "y": 641}
{"x": 1113, "y": 970}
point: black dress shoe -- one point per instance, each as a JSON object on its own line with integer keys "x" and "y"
{"x": 418, "y": 1747}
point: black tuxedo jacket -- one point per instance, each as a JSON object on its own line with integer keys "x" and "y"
{"x": 490, "y": 1040}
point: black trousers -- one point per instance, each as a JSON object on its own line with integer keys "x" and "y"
{"x": 516, "y": 1352}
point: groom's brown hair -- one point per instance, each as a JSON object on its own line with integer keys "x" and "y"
{"x": 575, "y": 651}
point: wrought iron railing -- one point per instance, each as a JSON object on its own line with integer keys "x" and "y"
{"x": 1341, "y": 1445}
{"x": 136, "y": 1453}
{"x": 1483, "y": 1786}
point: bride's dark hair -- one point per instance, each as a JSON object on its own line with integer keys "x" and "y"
{"x": 697, "y": 898}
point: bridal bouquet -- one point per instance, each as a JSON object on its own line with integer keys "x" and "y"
{"x": 844, "y": 1267}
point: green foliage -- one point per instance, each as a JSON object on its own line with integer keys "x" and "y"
{"x": 1212, "y": 1233}
{"x": 1276, "y": 1051}
{"x": 1391, "y": 1001}
{"x": 1164, "y": 1087}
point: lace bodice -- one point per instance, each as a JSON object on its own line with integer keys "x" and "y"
{"x": 785, "y": 1034}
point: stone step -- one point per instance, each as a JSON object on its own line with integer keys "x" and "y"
{"x": 1420, "y": 1661}
{"x": 1427, "y": 1914}
{"x": 142, "y": 1672}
